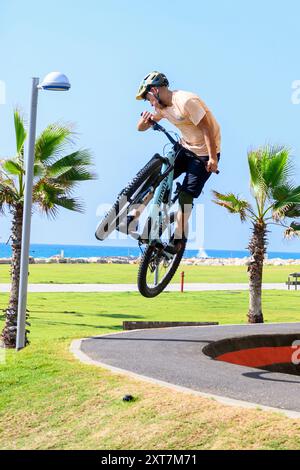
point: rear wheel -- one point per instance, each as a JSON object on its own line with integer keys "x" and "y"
{"x": 136, "y": 193}
{"x": 158, "y": 267}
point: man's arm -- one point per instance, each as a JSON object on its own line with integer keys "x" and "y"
{"x": 207, "y": 127}
{"x": 145, "y": 122}
{"x": 202, "y": 120}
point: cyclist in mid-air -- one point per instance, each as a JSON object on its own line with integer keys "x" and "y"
{"x": 200, "y": 137}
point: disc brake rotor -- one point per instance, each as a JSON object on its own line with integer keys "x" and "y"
{"x": 157, "y": 259}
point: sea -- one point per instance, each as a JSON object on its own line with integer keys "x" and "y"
{"x": 88, "y": 251}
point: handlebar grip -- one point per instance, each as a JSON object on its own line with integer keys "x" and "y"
{"x": 205, "y": 160}
{"x": 150, "y": 119}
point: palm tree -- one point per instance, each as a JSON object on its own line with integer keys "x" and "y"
{"x": 276, "y": 199}
{"x": 56, "y": 174}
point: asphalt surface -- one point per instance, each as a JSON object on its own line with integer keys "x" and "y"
{"x": 189, "y": 287}
{"x": 175, "y": 356}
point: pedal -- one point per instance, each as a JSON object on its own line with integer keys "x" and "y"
{"x": 157, "y": 244}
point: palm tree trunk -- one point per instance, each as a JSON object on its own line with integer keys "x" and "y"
{"x": 9, "y": 332}
{"x": 257, "y": 248}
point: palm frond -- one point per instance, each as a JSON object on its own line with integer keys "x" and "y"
{"x": 75, "y": 175}
{"x": 286, "y": 201}
{"x": 52, "y": 141}
{"x": 57, "y": 175}
{"x": 257, "y": 183}
{"x": 12, "y": 167}
{"x": 20, "y": 131}
{"x": 233, "y": 204}
{"x": 293, "y": 212}
{"x": 270, "y": 167}
{"x": 72, "y": 167}
{"x": 279, "y": 166}
{"x": 71, "y": 204}
{"x": 39, "y": 169}
{"x": 281, "y": 192}
{"x": 8, "y": 193}
{"x": 293, "y": 231}
{"x": 49, "y": 196}
{"x": 292, "y": 195}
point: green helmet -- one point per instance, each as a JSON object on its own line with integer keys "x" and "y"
{"x": 155, "y": 79}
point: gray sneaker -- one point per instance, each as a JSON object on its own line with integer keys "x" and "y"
{"x": 175, "y": 246}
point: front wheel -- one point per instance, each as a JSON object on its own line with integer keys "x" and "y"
{"x": 135, "y": 194}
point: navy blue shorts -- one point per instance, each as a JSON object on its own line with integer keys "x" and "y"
{"x": 195, "y": 169}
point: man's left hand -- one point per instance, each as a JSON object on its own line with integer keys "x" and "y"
{"x": 212, "y": 166}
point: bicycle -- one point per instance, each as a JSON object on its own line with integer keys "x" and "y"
{"x": 153, "y": 183}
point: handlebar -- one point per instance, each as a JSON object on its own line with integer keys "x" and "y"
{"x": 158, "y": 127}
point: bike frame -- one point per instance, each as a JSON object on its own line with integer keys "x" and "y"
{"x": 166, "y": 185}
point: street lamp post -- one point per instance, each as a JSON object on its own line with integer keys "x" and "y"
{"x": 53, "y": 81}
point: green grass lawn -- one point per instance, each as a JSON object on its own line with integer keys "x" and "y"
{"x": 119, "y": 273}
{"x": 49, "y": 400}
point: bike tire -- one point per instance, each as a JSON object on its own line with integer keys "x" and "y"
{"x": 143, "y": 287}
{"x": 147, "y": 175}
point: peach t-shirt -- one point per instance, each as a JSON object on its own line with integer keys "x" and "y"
{"x": 186, "y": 112}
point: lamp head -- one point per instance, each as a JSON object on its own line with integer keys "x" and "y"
{"x": 55, "y": 81}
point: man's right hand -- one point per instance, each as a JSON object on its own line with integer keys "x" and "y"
{"x": 147, "y": 117}
{"x": 147, "y": 120}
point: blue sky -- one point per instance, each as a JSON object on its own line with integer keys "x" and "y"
{"x": 240, "y": 57}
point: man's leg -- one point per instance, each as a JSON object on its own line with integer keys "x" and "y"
{"x": 183, "y": 214}
{"x": 192, "y": 186}
{"x": 182, "y": 218}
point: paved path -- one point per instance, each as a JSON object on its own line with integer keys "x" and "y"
{"x": 174, "y": 356}
{"x": 133, "y": 288}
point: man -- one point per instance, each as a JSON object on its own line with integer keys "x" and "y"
{"x": 200, "y": 138}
